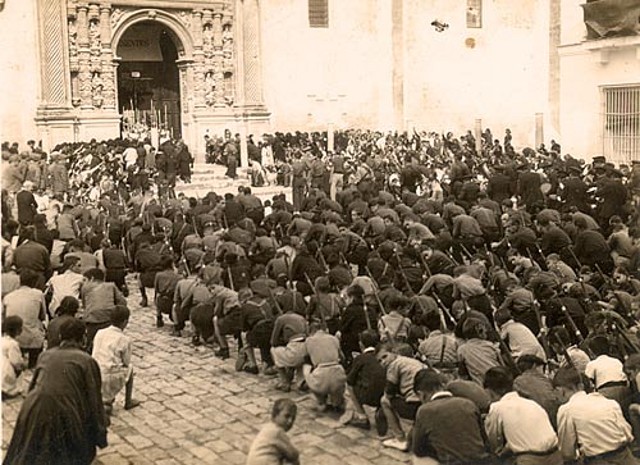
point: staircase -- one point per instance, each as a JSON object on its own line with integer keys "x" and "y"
{"x": 207, "y": 178}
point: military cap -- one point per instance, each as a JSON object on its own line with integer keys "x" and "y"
{"x": 193, "y": 256}
{"x": 261, "y": 287}
{"x": 333, "y": 216}
{"x": 163, "y": 223}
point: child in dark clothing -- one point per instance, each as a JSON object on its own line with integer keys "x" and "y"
{"x": 365, "y": 380}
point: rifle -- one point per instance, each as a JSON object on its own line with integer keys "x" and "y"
{"x": 425, "y": 264}
{"x": 572, "y": 323}
{"x": 380, "y": 304}
{"x": 195, "y": 228}
{"x": 450, "y": 255}
{"x": 543, "y": 328}
{"x": 275, "y": 301}
{"x": 404, "y": 276}
{"x": 565, "y": 352}
{"x": 345, "y": 262}
{"x": 230, "y": 278}
{"x": 466, "y": 251}
{"x": 384, "y": 311}
{"x": 505, "y": 351}
{"x": 186, "y": 265}
{"x": 323, "y": 263}
{"x": 575, "y": 258}
{"x": 444, "y": 308}
{"x": 315, "y": 292}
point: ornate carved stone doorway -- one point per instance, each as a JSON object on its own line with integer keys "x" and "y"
{"x": 215, "y": 47}
{"x": 149, "y": 79}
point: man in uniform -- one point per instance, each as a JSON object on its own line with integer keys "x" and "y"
{"x": 299, "y": 171}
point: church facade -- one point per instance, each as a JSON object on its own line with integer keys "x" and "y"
{"x": 83, "y": 48}
{"x": 82, "y": 69}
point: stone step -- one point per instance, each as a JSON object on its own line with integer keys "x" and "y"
{"x": 207, "y": 178}
{"x": 212, "y": 177}
{"x": 263, "y": 193}
{"x": 207, "y": 168}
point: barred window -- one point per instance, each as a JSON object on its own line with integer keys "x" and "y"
{"x": 319, "y": 13}
{"x": 474, "y": 13}
{"x": 621, "y": 128}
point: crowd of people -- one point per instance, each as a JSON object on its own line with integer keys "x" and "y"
{"x": 487, "y": 297}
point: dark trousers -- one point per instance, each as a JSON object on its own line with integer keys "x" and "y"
{"x": 265, "y": 355}
{"x": 118, "y": 277}
{"x": 33, "y": 355}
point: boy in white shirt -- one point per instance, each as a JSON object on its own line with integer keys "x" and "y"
{"x": 112, "y": 351}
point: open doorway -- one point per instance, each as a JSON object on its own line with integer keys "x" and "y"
{"x": 149, "y": 80}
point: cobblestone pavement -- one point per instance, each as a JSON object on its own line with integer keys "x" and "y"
{"x": 198, "y": 410}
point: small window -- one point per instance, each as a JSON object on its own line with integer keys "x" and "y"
{"x": 319, "y": 13}
{"x": 474, "y": 13}
{"x": 621, "y": 131}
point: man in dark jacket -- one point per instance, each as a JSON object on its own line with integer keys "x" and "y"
{"x": 33, "y": 256}
{"x": 591, "y": 248}
{"x": 574, "y": 193}
{"x": 27, "y": 205}
{"x": 529, "y": 188}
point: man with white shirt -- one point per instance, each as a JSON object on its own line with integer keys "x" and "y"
{"x": 607, "y": 373}
{"x": 130, "y": 156}
{"x": 67, "y": 283}
{"x": 591, "y": 426}
{"x": 517, "y": 426}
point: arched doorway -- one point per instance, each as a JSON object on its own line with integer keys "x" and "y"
{"x": 149, "y": 79}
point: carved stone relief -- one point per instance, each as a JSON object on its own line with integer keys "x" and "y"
{"x": 93, "y": 77}
{"x": 116, "y": 14}
{"x": 97, "y": 87}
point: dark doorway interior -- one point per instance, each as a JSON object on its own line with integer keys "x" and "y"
{"x": 148, "y": 79}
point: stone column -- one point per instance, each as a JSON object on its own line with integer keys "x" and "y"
{"x": 217, "y": 30}
{"x": 239, "y": 40}
{"x": 115, "y": 62}
{"x": 555, "y": 30}
{"x": 185, "y": 106}
{"x": 84, "y": 57}
{"x": 196, "y": 25}
{"x": 54, "y": 115}
{"x": 105, "y": 25}
{"x": 108, "y": 74}
{"x": 478, "y": 135}
{"x": 397, "y": 45}
{"x": 55, "y": 75}
{"x": 83, "y": 25}
{"x": 539, "y": 129}
{"x": 251, "y": 54}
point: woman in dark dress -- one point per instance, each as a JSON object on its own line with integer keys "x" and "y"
{"x": 62, "y": 419}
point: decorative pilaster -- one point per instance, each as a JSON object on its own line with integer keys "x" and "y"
{"x": 397, "y": 44}
{"x": 74, "y": 66}
{"x": 84, "y": 57}
{"x": 196, "y": 28}
{"x": 108, "y": 72}
{"x": 217, "y": 31}
{"x": 251, "y": 54}
{"x": 55, "y": 88}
